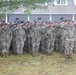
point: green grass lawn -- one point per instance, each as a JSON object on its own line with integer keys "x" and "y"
{"x": 55, "y": 64}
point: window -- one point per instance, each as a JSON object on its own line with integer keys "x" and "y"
{"x": 74, "y": 2}
{"x": 61, "y": 2}
{"x": 58, "y": 1}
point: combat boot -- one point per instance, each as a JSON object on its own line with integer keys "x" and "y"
{"x": 70, "y": 56}
{"x": 34, "y": 54}
{"x": 49, "y": 53}
{"x": 37, "y": 53}
{"x": 74, "y": 51}
{"x": 19, "y": 55}
{"x": 67, "y": 56}
{"x": 4, "y": 55}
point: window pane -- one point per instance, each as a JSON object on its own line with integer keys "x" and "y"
{"x": 63, "y": 1}
{"x": 58, "y": 1}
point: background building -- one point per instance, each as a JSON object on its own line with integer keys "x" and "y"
{"x": 53, "y": 12}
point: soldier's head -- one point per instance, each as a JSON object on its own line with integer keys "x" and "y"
{"x": 27, "y": 23}
{"x": 35, "y": 23}
{"x": 17, "y": 18}
{"x": 38, "y": 17}
{"x": 22, "y": 22}
{"x": 50, "y": 24}
{"x": 70, "y": 23}
{"x": 19, "y": 27}
{"x": 14, "y": 23}
{"x": 10, "y": 23}
{"x": 5, "y": 26}
{"x": 41, "y": 23}
{"x": 1, "y": 23}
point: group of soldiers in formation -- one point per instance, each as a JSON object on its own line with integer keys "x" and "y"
{"x": 38, "y": 37}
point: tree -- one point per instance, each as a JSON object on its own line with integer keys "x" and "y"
{"x": 12, "y": 5}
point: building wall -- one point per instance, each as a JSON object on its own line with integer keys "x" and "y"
{"x": 44, "y": 17}
{"x": 12, "y": 17}
{"x": 56, "y": 17}
{"x": 70, "y": 2}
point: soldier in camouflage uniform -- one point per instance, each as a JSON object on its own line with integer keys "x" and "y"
{"x": 57, "y": 36}
{"x": 0, "y": 30}
{"x": 62, "y": 37}
{"x": 19, "y": 37}
{"x": 75, "y": 40}
{"x": 5, "y": 40}
{"x": 43, "y": 35}
{"x": 12, "y": 25}
{"x": 49, "y": 39}
{"x": 69, "y": 39}
{"x": 28, "y": 42}
{"x": 36, "y": 38}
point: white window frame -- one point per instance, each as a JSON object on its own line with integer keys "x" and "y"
{"x": 28, "y": 18}
{"x": 74, "y": 2}
{"x": 6, "y": 18}
{"x": 55, "y": 2}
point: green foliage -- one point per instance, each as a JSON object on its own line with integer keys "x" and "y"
{"x": 27, "y": 12}
{"x": 1, "y": 15}
{"x": 11, "y": 5}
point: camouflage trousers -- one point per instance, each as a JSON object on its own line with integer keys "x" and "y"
{"x": 49, "y": 45}
{"x": 75, "y": 46}
{"x": 17, "y": 45}
{"x": 57, "y": 44}
{"x": 35, "y": 45}
{"x": 43, "y": 44}
{"x": 52, "y": 45}
{"x": 62, "y": 45}
{"x": 29, "y": 44}
{"x": 5, "y": 45}
{"x": 25, "y": 48}
{"x": 69, "y": 45}
{"x": 0, "y": 48}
